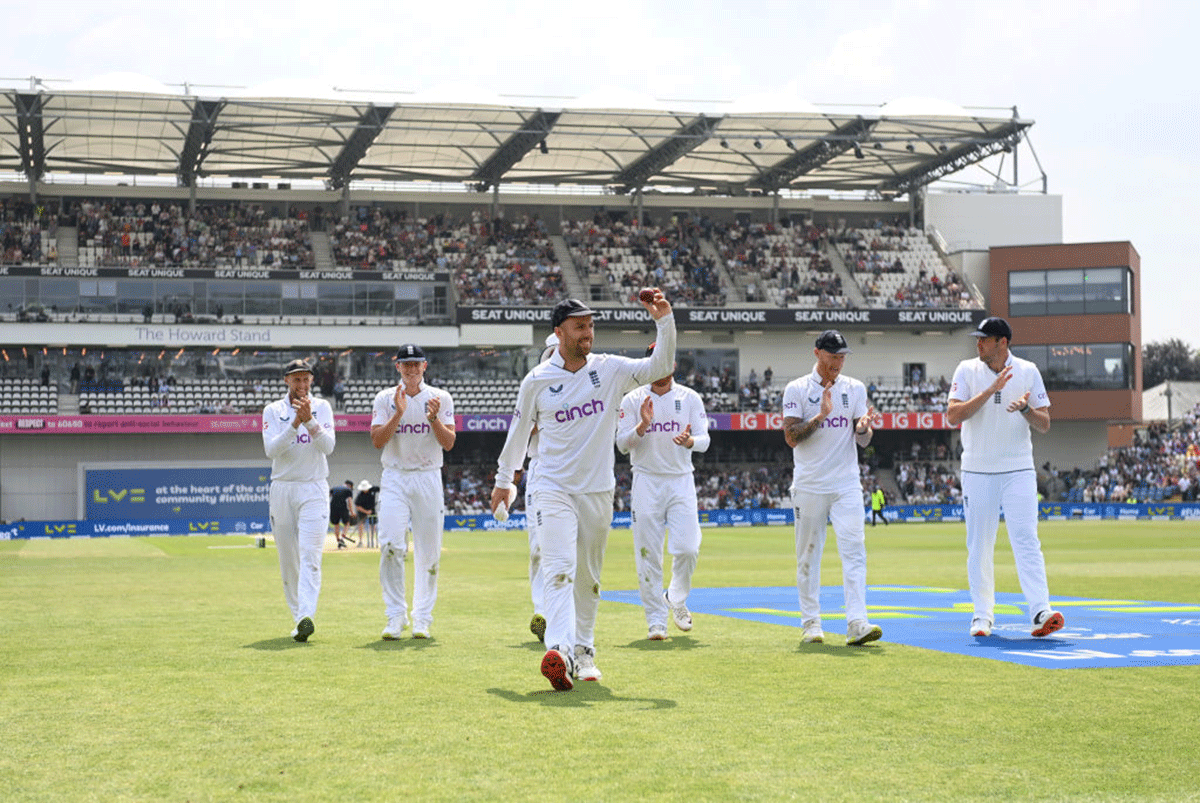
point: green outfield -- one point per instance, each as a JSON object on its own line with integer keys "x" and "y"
{"x": 160, "y": 669}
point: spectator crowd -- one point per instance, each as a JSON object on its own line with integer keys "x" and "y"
{"x": 160, "y": 234}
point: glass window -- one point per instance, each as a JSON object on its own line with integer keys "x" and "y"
{"x": 1064, "y": 292}
{"x": 299, "y": 298}
{"x": 60, "y": 294}
{"x": 12, "y": 292}
{"x": 225, "y": 296}
{"x": 1080, "y": 366}
{"x": 1027, "y": 293}
{"x": 262, "y": 298}
{"x": 1070, "y": 292}
{"x": 335, "y": 298}
{"x": 97, "y": 296}
{"x": 372, "y": 298}
{"x": 1104, "y": 290}
{"x": 134, "y": 295}
{"x": 1108, "y": 365}
{"x": 1066, "y": 367}
{"x": 1036, "y": 355}
{"x": 174, "y": 297}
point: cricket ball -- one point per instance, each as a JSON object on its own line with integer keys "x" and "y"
{"x": 647, "y": 295}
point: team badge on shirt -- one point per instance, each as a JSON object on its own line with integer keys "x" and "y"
{"x": 678, "y": 406}
{"x": 595, "y": 377}
{"x": 845, "y": 399}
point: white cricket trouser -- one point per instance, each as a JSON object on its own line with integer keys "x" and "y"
{"x": 299, "y": 521}
{"x": 410, "y": 500}
{"x": 845, "y": 510}
{"x": 537, "y": 587}
{"x": 664, "y": 503}
{"x": 573, "y": 532}
{"x": 983, "y": 497}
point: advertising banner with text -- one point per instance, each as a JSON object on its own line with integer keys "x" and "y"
{"x": 176, "y": 492}
{"x": 387, "y": 275}
{"x": 726, "y": 318}
{"x": 248, "y": 423}
{"x": 754, "y": 517}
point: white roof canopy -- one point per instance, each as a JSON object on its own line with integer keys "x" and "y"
{"x": 902, "y": 147}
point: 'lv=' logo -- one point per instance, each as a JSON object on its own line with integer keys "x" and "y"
{"x": 134, "y": 494}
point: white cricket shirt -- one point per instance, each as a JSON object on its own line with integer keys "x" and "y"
{"x": 656, "y": 452}
{"x": 297, "y": 455}
{"x": 532, "y": 451}
{"x": 826, "y": 461}
{"x": 994, "y": 440}
{"x": 576, "y": 415}
{"x": 413, "y": 447}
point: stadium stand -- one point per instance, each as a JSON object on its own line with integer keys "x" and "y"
{"x": 899, "y": 267}
{"x": 620, "y": 258}
{"x": 26, "y": 237}
{"x": 25, "y": 396}
{"x": 786, "y": 267}
{"x": 154, "y": 233}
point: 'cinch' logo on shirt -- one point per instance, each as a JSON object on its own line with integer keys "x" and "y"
{"x": 413, "y": 429}
{"x": 593, "y": 407}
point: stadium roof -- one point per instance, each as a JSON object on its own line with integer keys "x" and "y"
{"x": 622, "y": 146}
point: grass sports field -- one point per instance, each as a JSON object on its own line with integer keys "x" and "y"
{"x": 160, "y": 669}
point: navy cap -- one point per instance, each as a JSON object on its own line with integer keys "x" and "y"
{"x": 831, "y": 340}
{"x": 410, "y": 353}
{"x": 994, "y": 327}
{"x": 571, "y": 308}
{"x": 297, "y": 367}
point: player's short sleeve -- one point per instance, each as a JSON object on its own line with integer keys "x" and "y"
{"x": 1038, "y": 398}
{"x": 960, "y": 385}
{"x": 381, "y": 411}
{"x": 860, "y": 400}
{"x": 446, "y": 410}
{"x": 791, "y": 401}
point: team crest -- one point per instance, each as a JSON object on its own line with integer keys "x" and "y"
{"x": 595, "y": 377}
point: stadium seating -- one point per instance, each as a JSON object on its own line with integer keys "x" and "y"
{"x": 164, "y": 234}
{"x": 26, "y": 396}
{"x": 898, "y": 267}
{"x": 785, "y": 266}
{"x": 618, "y": 259}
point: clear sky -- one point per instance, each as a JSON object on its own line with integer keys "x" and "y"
{"x": 1105, "y": 82}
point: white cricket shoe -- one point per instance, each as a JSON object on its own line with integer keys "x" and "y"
{"x": 658, "y": 633}
{"x": 585, "y": 663}
{"x": 860, "y": 631}
{"x": 981, "y": 627}
{"x": 813, "y": 634}
{"x": 394, "y": 628}
{"x": 680, "y": 615}
{"x": 1046, "y": 623}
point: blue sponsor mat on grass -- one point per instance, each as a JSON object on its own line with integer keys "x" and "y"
{"x": 1099, "y": 632}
